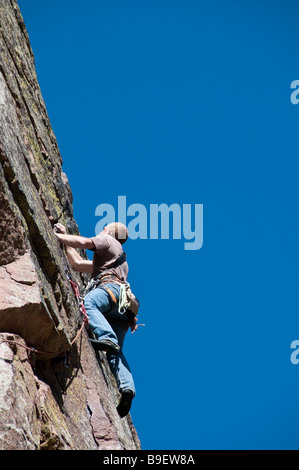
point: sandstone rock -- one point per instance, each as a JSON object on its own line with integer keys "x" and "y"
{"x": 43, "y": 404}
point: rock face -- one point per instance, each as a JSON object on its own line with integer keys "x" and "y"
{"x": 45, "y": 402}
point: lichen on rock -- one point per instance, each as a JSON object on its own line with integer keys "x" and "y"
{"x": 43, "y": 404}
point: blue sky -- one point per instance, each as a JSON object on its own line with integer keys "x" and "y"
{"x": 188, "y": 102}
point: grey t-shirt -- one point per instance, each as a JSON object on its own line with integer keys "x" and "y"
{"x": 106, "y": 253}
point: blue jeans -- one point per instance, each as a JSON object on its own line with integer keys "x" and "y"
{"x": 107, "y": 323}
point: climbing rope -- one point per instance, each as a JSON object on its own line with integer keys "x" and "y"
{"x": 122, "y": 303}
{"x": 80, "y": 302}
{"x": 33, "y": 352}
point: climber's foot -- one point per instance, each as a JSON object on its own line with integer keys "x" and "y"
{"x": 125, "y": 403}
{"x": 105, "y": 345}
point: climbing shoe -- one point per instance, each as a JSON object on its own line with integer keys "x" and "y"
{"x": 125, "y": 403}
{"x": 105, "y": 345}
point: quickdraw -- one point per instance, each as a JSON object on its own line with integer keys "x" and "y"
{"x": 80, "y": 302}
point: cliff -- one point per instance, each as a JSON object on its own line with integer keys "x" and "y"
{"x": 61, "y": 395}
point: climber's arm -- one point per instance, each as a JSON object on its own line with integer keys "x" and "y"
{"x": 72, "y": 242}
{"x": 75, "y": 241}
{"x": 77, "y": 262}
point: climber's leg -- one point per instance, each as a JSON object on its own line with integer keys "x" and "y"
{"x": 100, "y": 309}
{"x": 97, "y": 302}
{"x": 118, "y": 363}
{"x": 122, "y": 372}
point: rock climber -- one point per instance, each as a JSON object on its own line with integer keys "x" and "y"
{"x": 110, "y": 268}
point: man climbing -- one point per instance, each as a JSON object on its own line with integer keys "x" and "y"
{"x": 110, "y": 268}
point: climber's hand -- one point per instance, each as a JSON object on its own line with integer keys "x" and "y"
{"x": 59, "y": 228}
{"x": 133, "y": 324}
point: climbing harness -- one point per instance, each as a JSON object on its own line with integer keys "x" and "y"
{"x": 127, "y": 300}
{"x": 104, "y": 277}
